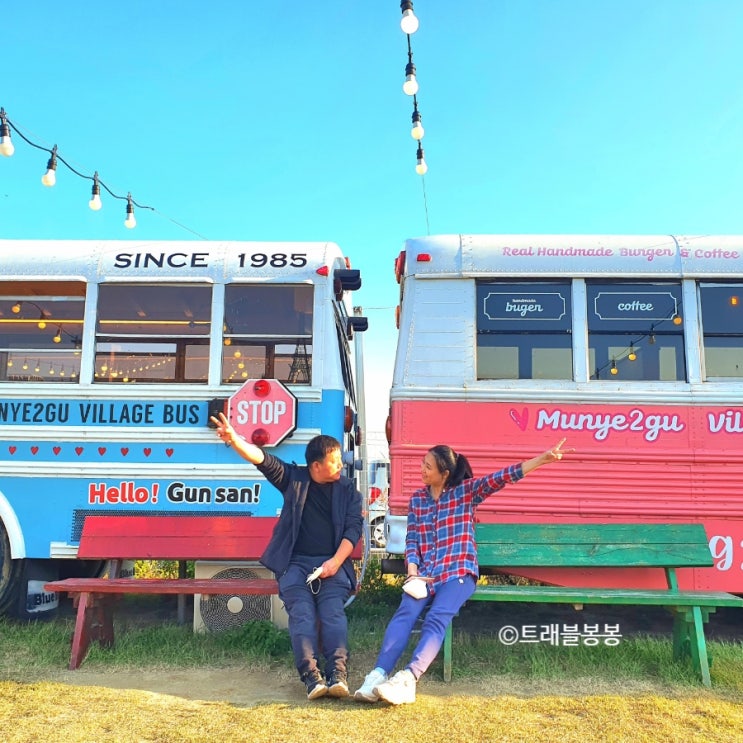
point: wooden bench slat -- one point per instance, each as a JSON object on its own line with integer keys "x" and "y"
{"x": 593, "y": 554}
{"x": 209, "y": 586}
{"x": 166, "y": 537}
{"x": 646, "y": 597}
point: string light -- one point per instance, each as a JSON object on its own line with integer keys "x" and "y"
{"x": 50, "y": 176}
{"x": 130, "y": 222}
{"x": 6, "y": 145}
{"x": 409, "y": 25}
{"x": 632, "y": 356}
{"x": 421, "y": 168}
{"x": 410, "y": 86}
{"x": 417, "y": 132}
{"x": 409, "y": 22}
{"x": 95, "y": 202}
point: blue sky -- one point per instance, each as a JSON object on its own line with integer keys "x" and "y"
{"x": 254, "y": 120}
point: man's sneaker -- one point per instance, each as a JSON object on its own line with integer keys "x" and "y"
{"x": 367, "y": 692}
{"x": 337, "y": 686}
{"x": 315, "y": 683}
{"x": 400, "y": 689}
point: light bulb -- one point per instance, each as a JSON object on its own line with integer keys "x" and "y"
{"x": 16, "y": 308}
{"x": 421, "y": 168}
{"x": 95, "y": 202}
{"x": 6, "y": 145}
{"x": 417, "y": 131}
{"x": 50, "y": 177}
{"x": 410, "y": 86}
{"x": 614, "y": 369}
{"x": 632, "y": 356}
{"x": 130, "y": 222}
{"x": 41, "y": 324}
{"x": 409, "y": 22}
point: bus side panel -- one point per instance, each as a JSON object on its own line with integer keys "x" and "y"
{"x": 641, "y": 463}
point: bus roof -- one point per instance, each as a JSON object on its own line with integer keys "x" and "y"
{"x": 662, "y": 256}
{"x": 217, "y": 261}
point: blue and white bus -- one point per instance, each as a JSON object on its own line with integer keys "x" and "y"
{"x": 112, "y": 357}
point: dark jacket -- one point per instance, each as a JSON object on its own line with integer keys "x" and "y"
{"x": 346, "y": 514}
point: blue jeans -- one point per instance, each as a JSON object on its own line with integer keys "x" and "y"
{"x": 442, "y": 607}
{"x": 317, "y": 617}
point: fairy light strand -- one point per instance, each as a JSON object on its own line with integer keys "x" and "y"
{"x": 49, "y": 178}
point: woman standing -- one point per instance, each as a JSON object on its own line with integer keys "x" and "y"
{"x": 441, "y": 559}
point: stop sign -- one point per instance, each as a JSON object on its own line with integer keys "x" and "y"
{"x": 263, "y": 412}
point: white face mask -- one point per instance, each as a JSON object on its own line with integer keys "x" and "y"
{"x": 416, "y": 587}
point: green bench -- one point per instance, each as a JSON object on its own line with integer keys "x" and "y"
{"x": 505, "y": 548}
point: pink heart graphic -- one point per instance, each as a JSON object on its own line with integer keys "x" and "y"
{"x": 147, "y": 451}
{"x": 169, "y": 452}
{"x": 57, "y": 449}
{"x": 34, "y": 450}
{"x": 520, "y": 419}
{"x": 101, "y": 450}
{"x": 78, "y": 450}
{"x": 124, "y": 450}
{"x": 11, "y": 449}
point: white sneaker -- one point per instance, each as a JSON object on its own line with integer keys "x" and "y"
{"x": 367, "y": 691}
{"x": 400, "y": 689}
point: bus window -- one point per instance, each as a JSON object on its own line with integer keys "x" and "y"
{"x": 635, "y": 331}
{"x": 153, "y": 333}
{"x": 41, "y": 326}
{"x": 722, "y": 323}
{"x": 267, "y": 333}
{"x": 523, "y": 330}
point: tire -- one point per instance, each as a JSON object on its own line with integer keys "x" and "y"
{"x": 11, "y": 574}
{"x": 378, "y": 540}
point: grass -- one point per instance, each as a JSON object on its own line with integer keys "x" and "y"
{"x": 529, "y": 692}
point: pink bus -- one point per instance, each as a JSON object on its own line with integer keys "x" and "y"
{"x": 631, "y": 347}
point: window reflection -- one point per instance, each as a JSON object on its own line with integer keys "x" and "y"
{"x": 41, "y": 325}
{"x": 267, "y": 333}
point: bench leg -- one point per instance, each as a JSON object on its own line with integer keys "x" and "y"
{"x": 447, "y": 653}
{"x": 699, "y": 658}
{"x": 94, "y": 621}
{"x": 689, "y": 641}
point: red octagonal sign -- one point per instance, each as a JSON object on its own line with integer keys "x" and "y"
{"x": 263, "y": 411}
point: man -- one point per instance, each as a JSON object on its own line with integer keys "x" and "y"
{"x": 319, "y": 525}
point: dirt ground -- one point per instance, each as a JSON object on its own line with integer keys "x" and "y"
{"x": 247, "y": 686}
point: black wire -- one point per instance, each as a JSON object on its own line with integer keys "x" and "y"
{"x": 76, "y": 172}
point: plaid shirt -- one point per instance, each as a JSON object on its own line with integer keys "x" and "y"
{"x": 441, "y": 534}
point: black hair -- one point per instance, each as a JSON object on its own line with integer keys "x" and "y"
{"x": 447, "y": 459}
{"x": 319, "y": 447}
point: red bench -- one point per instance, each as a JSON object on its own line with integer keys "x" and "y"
{"x": 162, "y": 537}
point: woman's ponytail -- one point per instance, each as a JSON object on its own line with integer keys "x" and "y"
{"x": 457, "y": 465}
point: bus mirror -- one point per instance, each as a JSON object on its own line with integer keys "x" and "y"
{"x": 216, "y": 406}
{"x": 349, "y": 279}
{"x": 356, "y": 323}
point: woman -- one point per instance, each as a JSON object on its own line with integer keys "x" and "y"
{"x": 441, "y": 558}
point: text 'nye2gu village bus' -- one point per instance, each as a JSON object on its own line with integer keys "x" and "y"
{"x": 630, "y": 347}
{"x": 113, "y": 355}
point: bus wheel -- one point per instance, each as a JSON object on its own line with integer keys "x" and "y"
{"x": 11, "y": 572}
